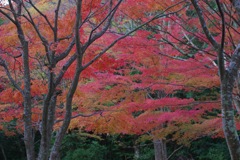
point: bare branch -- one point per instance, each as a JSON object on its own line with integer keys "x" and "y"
{"x": 56, "y": 21}
{"x": 43, "y": 15}
{"x": 64, "y": 38}
{"x": 80, "y": 115}
{"x": 72, "y": 43}
{"x": 30, "y": 19}
{"x": 221, "y": 49}
{"x": 77, "y": 26}
{"x": 175, "y": 151}
{"x": 204, "y": 25}
{"x": 124, "y": 36}
{"x": 4, "y": 65}
{"x": 108, "y": 18}
{"x": 177, "y": 58}
{"x": 236, "y": 5}
{"x": 6, "y": 15}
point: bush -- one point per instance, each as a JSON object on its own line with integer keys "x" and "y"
{"x": 94, "y": 152}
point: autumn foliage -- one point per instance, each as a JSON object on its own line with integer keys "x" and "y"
{"x": 113, "y": 67}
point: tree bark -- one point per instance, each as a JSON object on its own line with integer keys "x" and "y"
{"x": 229, "y": 126}
{"x": 27, "y": 116}
{"x": 160, "y": 149}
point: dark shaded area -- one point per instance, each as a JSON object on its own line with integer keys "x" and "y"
{"x": 117, "y": 147}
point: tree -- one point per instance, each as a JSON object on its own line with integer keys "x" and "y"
{"x": 228, "y": 73}
{"x": 141, "y": 96}
{"x": 49, "y": 44}
{"x": 46, "y": 46}
{"x": 193, "y": 44}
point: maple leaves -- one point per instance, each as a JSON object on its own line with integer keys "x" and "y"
{"x": 141, "y": 85}
{"x": 141, "y": 91}
{"x": 146, "y": 69}
{"x": 51, "y": 56}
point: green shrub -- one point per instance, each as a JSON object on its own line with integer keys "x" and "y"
{"x": 94, "y": 152}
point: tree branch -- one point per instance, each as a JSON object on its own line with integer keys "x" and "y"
{"x": 43, "y": 15}
{"x": 56, "y": 21}
{"x": 80, "y": 115}
{"x": 204, "y": 25}
{"x": 221, "y": 49}
{"x": 108, "y": 18}
{"x": 4, "y": 65}
{"x": 124, "y": 36}
{"x": 6, "y": 15}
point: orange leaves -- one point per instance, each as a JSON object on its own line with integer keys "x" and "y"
{"x": 36, "y": 115}
{"x": 11, "y": 113}
{"x": 11, "y": 96}
{"x": 11, "y": 118}
{"x": 38, "y": 88}
{"x": 109, "y": 122}
{"x": 9, "y": 35}
{"x": 210, "y": 127}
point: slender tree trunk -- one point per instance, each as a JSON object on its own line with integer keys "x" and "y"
{"x": 45, "y": 142}
{"x": 136, "y": 152}
{"x": 160, "y": 149}
{"x": 26, "y": 92}
{"x": 27, "y": 116}
{"x": 28, "y": 132}
{"x": 3, "y": 152}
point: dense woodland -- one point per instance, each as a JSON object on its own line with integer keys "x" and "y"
{"x": 119, "y": 79}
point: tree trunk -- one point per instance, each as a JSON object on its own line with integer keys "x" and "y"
{"x": 136, "y": 152}
{"x": 3, "y": 152}
{"x": 160, "y": 149}
{"x": 229, "y": 126}
{"x": 228, "y": 78}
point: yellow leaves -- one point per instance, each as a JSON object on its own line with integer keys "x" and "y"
{"x": 164, "y": 132}
{"x": 108, "y": 122}
{"x": 143, "y": 138}
{"x": 188, "y": 132}
{"x": 176, "y": 77}
{"x": 203, "y": 81}
{"x": 114, "y": 122}
{"x": 89, "y": 135}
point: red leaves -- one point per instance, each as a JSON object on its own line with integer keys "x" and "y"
{"x": 160, "y": 104}
{"x": 134, "y": 84}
